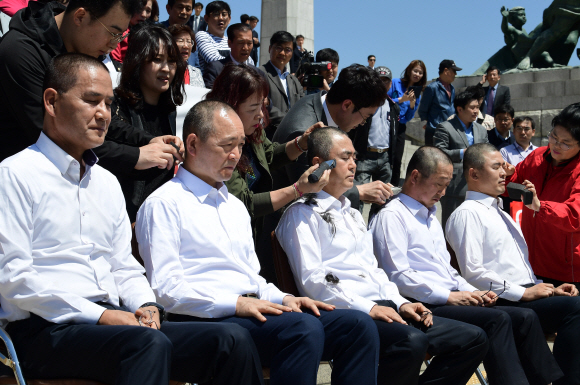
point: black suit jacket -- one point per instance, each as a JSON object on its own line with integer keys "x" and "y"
{"x": 254, "y": 54}
{"x": 502, "y": 96}
{"x": 307, "y": 112}
{"x": 214, "y": 68}
{"x": 295, "y": 61}
{"x": 202, "y": 24}
{"x": 279, "y": 104}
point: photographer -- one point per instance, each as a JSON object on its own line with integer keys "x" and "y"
{"x": 326, "y": 55}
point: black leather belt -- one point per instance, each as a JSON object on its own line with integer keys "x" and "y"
{"x": 377, "y": 150}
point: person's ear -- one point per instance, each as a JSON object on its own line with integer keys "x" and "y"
{"x": 80, "y": 15}
{"x": 168, "y": 8}
{"x": 206, "y": 18}
{"x": 316, "y": 160}
{"x": 191, "y": 143}
{"x": 473, "y": 174}
{"x": 49, "y": 98}
{"x": 414, "y": 178}
{"x": 347, "y": 104}
{"x": 230, "y": 43}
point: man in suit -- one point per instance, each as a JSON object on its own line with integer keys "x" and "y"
{"x": 253, "y": 23}
{"x": 297, "y": 54}
{"x": 240, "y": 43}
{"x": 437, "y": 101}
{"x": 495, "y": 94}
{"x": 453, "y": 137}
{"x": 501, "y": 136}
{"x": 372, "y": 61}
{"x": 285, "y": 89}
{"x": 197, "y": 21}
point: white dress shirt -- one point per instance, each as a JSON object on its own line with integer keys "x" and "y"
{"x": 329, "y": 120}
{"x": 65, "y": 241}
{"x": 410, "y": 246}
{"x": 316, "y": 248}
{"x": 514, "y": 153}
{"x": 198, "y": 249}
{"x": 490, "y": 247}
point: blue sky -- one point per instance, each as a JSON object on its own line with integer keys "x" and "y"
{"x": 397, "y": 32}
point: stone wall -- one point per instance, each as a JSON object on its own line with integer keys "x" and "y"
{"x": 540, "y": 94}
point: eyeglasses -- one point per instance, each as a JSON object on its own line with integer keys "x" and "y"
{"x": 563, "y": 146}
{"x": 522, "y": 129}
{"x": 506, "y": 120}
{"x": 279, "y": 48}
{"x": 490, "y": 285}
{"x": 217, "y": 15}
{"x": 146, "y": 319}
{"x": 184, "y": 41}
{"x": 372, "y": 59}
{"x": 364, "y": 120}
{"x": 117, "y": 37}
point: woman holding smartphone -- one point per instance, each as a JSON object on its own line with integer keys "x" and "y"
{"x": 406, "y": 91}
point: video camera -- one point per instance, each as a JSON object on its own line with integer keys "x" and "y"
{"x": 310, "y": 70}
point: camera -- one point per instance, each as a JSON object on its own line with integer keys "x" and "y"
{"x": 309, "y": 71}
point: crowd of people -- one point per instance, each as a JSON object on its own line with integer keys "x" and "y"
{"x": 131, "y": 255}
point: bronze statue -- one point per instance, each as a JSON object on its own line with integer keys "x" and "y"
{"x": 550, "y": 44}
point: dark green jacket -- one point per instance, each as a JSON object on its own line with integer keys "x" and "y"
{"x": 270, "y": 157}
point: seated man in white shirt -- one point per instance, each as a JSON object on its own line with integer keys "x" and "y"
{"x": 72, "y": 296}
{"x": 331, "y": 255}
{"x": 196, "y": 241}
{"x": 494, "y": 252}
{"x": 410, "y": 246}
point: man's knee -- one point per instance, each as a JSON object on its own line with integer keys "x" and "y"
{"x": 524, "y": 319}
{"x": 471, "y": 335}
{"x": 155, "y": 343}
{"x": 360, "y": 325}
{"x": 500, "y": 320}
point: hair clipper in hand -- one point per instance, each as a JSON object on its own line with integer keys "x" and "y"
{"x": 516, "y": 191}
{"x": 315, "y": 176}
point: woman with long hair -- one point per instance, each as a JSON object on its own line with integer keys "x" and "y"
{"x": 414, "y": 75}
{"x": 245, "y": 90}
{"x": 150, "y": 87}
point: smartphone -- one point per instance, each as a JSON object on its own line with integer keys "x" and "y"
{"x": 417, "y": 90}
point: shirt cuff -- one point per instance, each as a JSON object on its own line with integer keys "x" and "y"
{"x": 90, "y": 314}
{"x": 278, "y": 297}
{"x": 399, "y": 300}
{"x": 225, "y": 305}
{"x": 363, "y": 304}
{"x": 461, "y": 152}
{"x": 514, "y": 293}
{"x": 439, "y": 296}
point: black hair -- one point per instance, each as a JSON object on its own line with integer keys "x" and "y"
{"x": 360, "y": 84}
{"x": 521, "y": 119}
{"x": 299, "y": 36}
{"x": 171, "y": 3}
{"x": 504, "y": 109}
{"x": 492, "y": 68}
{"x": 370, "y": 56}
{"x": 320, "y": 142}
{"x": 245, "y": 17}
{"x": 474, "y": 156}
{"x": 281, "y": 37}
{"x": 477, "y": 90}
{"x": 145, "y": 43}
{"x": 198, "y": 4}
{"x": 237, "y": 28}
{"x": 426, "y": 160}
{"x": 199, "y": 119}
{"x": 254, "y": 18}
{"x": 569, "y": 118}
{"x": 327, "y": 54}
{"x": 63, "y": 69}
{"x": 463, "y": 99}
{"x": 99, "y": 8}
{"x": 218, "y": 6}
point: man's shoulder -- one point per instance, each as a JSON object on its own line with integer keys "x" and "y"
{"x": 25, "y": 163}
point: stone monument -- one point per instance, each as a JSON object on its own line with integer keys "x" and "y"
{"x": 551, "y": 44}
{"x": 294, "y": 16}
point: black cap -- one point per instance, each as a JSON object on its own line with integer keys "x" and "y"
{"x": 448, "y": 64}
{"x": 384, "y": 72}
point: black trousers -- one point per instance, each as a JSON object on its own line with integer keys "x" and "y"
{"x": 518, "y": 353}
{"x": 129, "y": 355}
{"x": 458, "y": 349}
{"x": 559, "y": 315}
{"x": 293, "y": 344}
{"x": 398, "y": 155}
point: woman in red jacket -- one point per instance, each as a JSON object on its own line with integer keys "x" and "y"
{"x": 551, "y": 226}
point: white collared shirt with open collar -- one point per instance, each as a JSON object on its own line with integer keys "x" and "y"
{"x": 198, "y": 249}
{"x": 490, "y": 247}
{"x": 329, "y": 120}
{"x": 410, "y": 246}
{"x": 314, "y": 251}
{"x": 65, "y": 241}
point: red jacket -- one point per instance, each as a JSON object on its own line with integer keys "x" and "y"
{"x": 553, "y": 233}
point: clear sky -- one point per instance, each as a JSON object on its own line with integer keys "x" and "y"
{"x": 397, "y": 32}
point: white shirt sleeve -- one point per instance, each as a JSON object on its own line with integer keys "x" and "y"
{"x": 158, "y": 231}
{"x": 20, "y": 283}
{"x": 391, "y": 231}
{"x": 298, "y": 236}
{"x": 468, "y": 247}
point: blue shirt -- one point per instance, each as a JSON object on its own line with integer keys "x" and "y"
{"x": 469, "y": 133}
{"x": 436, "y": 106}
{"x": 397, "y": 91}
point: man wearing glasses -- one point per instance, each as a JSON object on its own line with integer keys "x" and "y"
{"x": 37, "y": 35}
{"x": 372, "y": 60}
{"x": 501, "y": 135}
{"x": 410, "y": 246}
{"x": 213, "y": 45}
{"x": 285, "y": 89}
{"x": 494, "y": 252}
{"x": 522, "y": 146}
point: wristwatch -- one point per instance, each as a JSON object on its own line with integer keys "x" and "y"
{"x": 159, "y": 307}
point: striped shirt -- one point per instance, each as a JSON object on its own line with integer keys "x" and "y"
{"x": 210, "y": 48}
